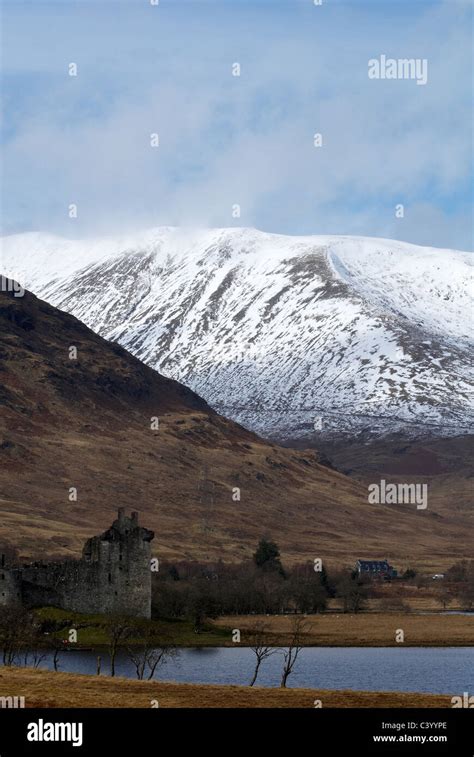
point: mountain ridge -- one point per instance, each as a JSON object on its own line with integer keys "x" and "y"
{"x": 293, "y": 337}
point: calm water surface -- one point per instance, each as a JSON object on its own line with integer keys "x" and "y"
{"x": 442, "y": 670}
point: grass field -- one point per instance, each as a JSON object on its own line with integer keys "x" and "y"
{"x": 412, "y": 599}
{"x": 368, "y": 629}
{"x": 91, "y": 629}
{"x": 46, "y": 689}
{"x": 365, "y": 629}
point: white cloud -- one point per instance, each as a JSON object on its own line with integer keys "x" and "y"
{"x": 247, "y": 140}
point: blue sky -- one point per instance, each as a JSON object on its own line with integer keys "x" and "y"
{"x": 244, "y": 140}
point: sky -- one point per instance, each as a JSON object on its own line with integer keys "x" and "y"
{"x": 237, "y": 150}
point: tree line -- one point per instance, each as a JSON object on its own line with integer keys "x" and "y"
{"x": 24, "y": 642}
{"x": 259, "y": 586}
{"x": 263, "y": 586}
{"x": 27, "y": 640}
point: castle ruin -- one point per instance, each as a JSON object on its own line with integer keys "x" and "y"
{"x": 113, "y": 575}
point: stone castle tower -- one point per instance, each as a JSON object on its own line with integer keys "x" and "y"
{"x": 113, "y": 576}
{"x": 10, "y": 584}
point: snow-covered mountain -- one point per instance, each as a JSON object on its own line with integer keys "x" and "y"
{"x": 291, "y": 336}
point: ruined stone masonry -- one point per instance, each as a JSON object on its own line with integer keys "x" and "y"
{"x": 113, "y": 576}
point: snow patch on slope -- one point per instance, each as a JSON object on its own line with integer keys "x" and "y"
{"x": 276, "y": 331}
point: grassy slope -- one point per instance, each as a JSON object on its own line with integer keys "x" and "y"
{"x": 45, "y": 689}
{"x": 85, "y": 423}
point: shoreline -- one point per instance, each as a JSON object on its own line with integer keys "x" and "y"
{"x": 46, "y": 689}
{"x": 362, "y": 629}
{"x": 333, "y": 629}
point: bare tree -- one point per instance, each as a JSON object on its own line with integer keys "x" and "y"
{"x": 146, "y": 656}
{"x": 18, "y": 629}
{"x": 118, "y": 629}
{"x": 444, "y": 597}
{"x": 56, "y": 646}
{"x": 261, "y": 644}
{"x": 291, "y": 652}
{"x": 466, "y": 593}
{"x": 37, "y": 656}
{"x": 353, "y": 592}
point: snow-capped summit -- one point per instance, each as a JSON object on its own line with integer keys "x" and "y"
{"x": 287, "y": 335}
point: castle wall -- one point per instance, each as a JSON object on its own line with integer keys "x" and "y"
{"x": 112, "y": 577}
{"x": 10, "y": 586}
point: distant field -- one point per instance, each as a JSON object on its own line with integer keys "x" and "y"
{"x": 91, "y": 630}
{"x": 366, "y": 629}
{"x": 45, "y": 689}
{"x": 427, "y": 603}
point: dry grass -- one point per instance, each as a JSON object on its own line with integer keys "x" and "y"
{"x": 427, "y": 602}
{"x": 388, "y": 603}
{"x": 87, "y": 423}
{"x": 366, "y": 629}
{"x": 46, "y": 689}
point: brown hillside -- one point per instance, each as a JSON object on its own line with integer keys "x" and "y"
{"x": 85, "y": 423}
